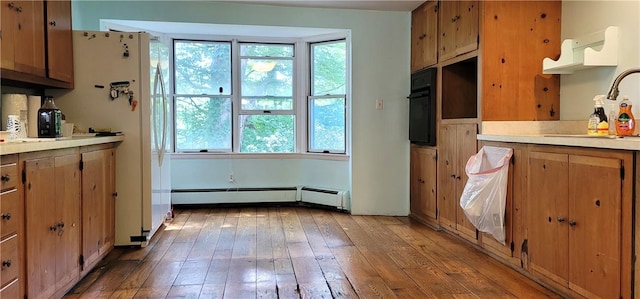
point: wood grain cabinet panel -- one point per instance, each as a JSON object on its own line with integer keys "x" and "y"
{"x": 98, "y": 205}
{"x": 458, "y": 143}
{"x": 53, "y": 223}
{"x": 515, "y": 37}
{"x": 37, "y": 47}
{"x": 424, "y": 36}
{"x": 578, "y": 206}
{"x": 59, "y": 41}
{"x": 23, "y": 48}
{"x": 423, "y": 183}
{"x": 458, "y": 28}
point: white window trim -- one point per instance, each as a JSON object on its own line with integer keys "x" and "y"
{"x": 301, "y": 87}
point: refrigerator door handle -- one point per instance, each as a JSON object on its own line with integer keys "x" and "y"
{"x": 163, "y": 147}
{"x": 157, "y": 83}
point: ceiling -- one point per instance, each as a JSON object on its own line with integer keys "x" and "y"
{"x": 398, "y": 5}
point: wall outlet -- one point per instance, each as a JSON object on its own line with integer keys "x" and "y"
{"x": 379, "y": 104}
{"x": 232, "y": 179}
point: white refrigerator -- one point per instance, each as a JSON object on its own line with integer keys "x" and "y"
{"x": 120, "y": 78}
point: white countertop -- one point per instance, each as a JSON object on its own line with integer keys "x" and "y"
{"x": 623, "y": 143}
{"x": 568, "y": 133}
{"x": 43, "y": 144}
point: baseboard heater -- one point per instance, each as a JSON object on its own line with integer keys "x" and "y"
{"x": 338, "y": 199}
{"x": 233, "y": 195}
{"x": 325, "y": 197}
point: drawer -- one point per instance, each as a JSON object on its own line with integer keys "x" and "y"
{"x": 9, "y": 212}
{"x": 9, "y": 260}
{"x": 8, "y": 176}
{"x": 11, "y": 290}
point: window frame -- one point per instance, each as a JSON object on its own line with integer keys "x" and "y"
{"x": 301, "y": 81}
{"x": 311, "y": 96}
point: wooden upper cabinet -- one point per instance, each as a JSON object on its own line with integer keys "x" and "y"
{"x": 458, "y": 28}
{"x": 424, "y": 36}
{"x": 37, "y": 47}
{"x": 59, "y": 41}
{"x": 23, "y": 47}
{"x": 515, "y": 37}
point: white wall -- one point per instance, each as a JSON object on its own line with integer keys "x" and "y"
{"x": 578, "y": 89}
{"x": 378, "y": 172}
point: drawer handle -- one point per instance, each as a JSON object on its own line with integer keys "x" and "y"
{"x": 52, "y": 23}
{"x": 5, "y": 178}
{"x": 6, "y": 216}
{"x": 6, "y": 264}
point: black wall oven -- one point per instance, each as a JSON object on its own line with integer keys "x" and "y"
{"x": 422, "y": 107}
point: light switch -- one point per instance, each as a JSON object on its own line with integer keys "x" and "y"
{"x": 379, "y": 104}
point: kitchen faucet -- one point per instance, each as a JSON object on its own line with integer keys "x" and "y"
{"x": 613, "y": 93}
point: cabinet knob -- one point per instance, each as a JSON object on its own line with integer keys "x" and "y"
{"x": 6, "y": 216}
{"x": 6, "y": 264}
{"x": 561, "y": 219}
{"x": 5, "y": 178}
{"x": 53, "y": 228}
{"x": 60, "y": 225}
{"x": 572, "y": 223}
{"x": 115, "y": 194}
{"x": 52, "y": 23}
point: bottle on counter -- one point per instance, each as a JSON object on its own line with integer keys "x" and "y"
{"x": 612, "y": 119}
{"x": 598, "y": 124}
{"x": 49, "y": 119}
{"x": 625, "y": 123}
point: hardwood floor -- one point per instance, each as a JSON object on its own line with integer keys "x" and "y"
{"x": 291, "y": 252}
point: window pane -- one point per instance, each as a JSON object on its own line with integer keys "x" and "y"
{"x": 264, "y": 77}
{"x": 267, "y": 103}
{"x": 203, "y": 123}
{"x": 202, "y": 67}
{"x": 327, "y": 124}
{"x": 329, "y": 68}
{"x": 265, "y": 50}
{"x": 267, "y": 133}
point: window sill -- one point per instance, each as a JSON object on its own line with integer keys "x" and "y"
{"x": 316, "y": 156}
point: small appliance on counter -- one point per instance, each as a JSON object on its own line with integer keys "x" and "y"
{"x": 49, "y": 119}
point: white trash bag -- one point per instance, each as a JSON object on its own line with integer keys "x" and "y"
{"x": 485, "y": 194}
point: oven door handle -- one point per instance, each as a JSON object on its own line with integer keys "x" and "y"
{"x": 418, "y": 95}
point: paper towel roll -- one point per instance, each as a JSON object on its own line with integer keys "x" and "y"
{"x": 33, "y": 105}
{"x": 13, "y": 104}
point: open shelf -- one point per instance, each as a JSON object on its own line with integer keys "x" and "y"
{"x": 592, "y": 50}
{"x": 460, "y": 89}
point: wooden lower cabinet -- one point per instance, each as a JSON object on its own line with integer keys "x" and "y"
{"x": 457, "y": 145}
{"x": 423, "y": 183}
{"x": 579, "y": 219}
{"x": 52, "y": 197}
{"x": 98, "y": 205}
{"x": 69, "y": 216}
{"x": 510, "y": 251}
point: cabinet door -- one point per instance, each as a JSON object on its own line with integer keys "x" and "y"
{"x": 40, "y": 199}
{"x": 109, "y": 223}
{"x": 23, "y": 37}
{"x": 424, "y": 36}
{"x": 93, "y": 209}
{"x": 423, "y": 182}
{"x": 67, "y": 188}
{"x": 448, "y": 18}
{"x": 467, "y": 26}
{"x": 447, "y": 172}
{"x": 458, "y": 28}
{"x": 548, "y": 215}
{"x": 59, "y": 40}
{"x": 595, "y": 226}
{"x": 466, "y": 144}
